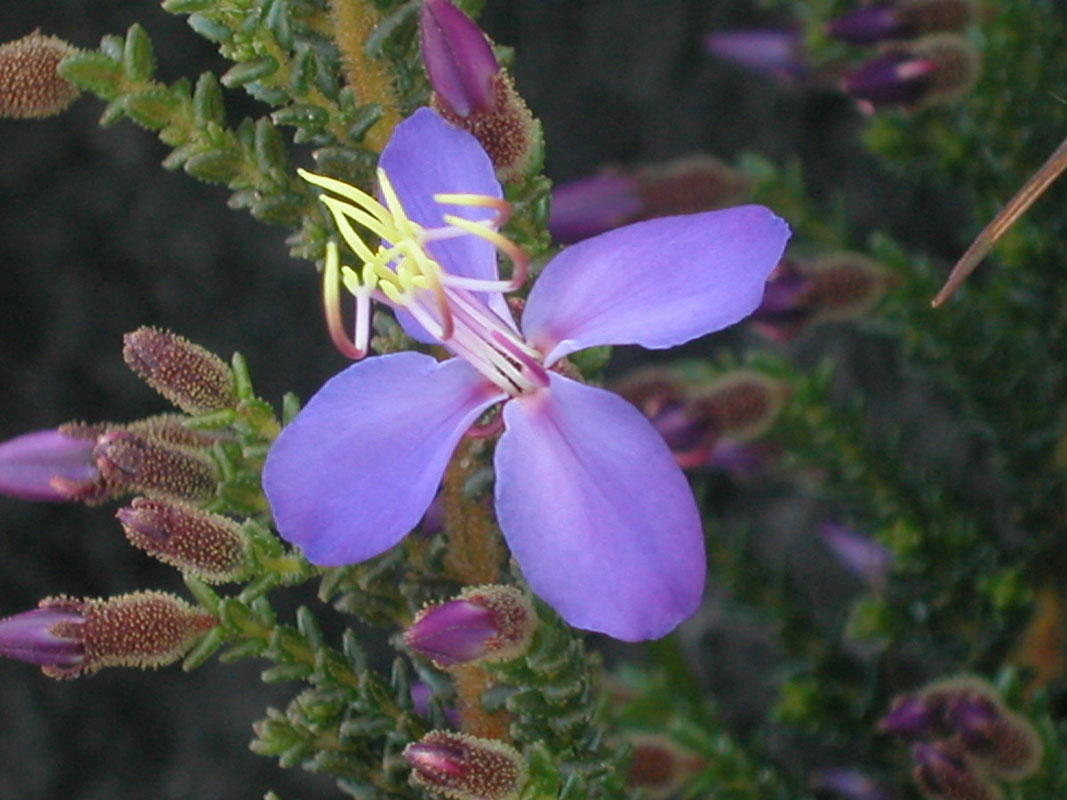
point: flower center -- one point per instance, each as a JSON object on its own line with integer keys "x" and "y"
{"x": 402, "y": 273}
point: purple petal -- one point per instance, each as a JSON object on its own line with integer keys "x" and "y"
{"x": 657, "y": 283}
{"x": 29, "y": 462}
{"x": 597, "y": 513}
{"x": 357, "y": 468}
{"x": 428, "y": 156}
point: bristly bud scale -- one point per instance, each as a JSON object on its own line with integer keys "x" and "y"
{"x": 944, "y": 772}
{"x": 462, "y": 767}
{"x": 192, "y": 378}
{"x": 137, "y": 463}
{"x": 208, "y": 546}
{"x": 740, "y": 405}
{"x": 30, "y": 84}
{"x": 471, "y": 91}
{"x": 928, "y": 71}
{"x": 482, "y": 624}
{"x": 905, "y": 20}
{"x": 30, "y": 465}
{"x": 69, "y": 637}
{"x": 1004, "y": 742}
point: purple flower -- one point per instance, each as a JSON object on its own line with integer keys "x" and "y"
{"x": 458, "y": 59}
{"x": 30, "y": 463}
{"x": 588, "y": 496}
{"x": 33, "y": 637}
{"x": 867, "y": 558}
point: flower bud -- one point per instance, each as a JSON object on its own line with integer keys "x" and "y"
{"x": 211, "y": 547}
{"x": 473, "y": 92}
{"x": 462, "y": 767}
{"x": 943, "y": 771}
{"x": 850, "y": 784}
{"x": 68, "y": 637}
{"x": 186, "y": 374}
{"x": 912, "y": 718}
{"x": 616, "y": 196}
{"x": 1005, "y": 743}
{"x": 834, "y": 287}
{"x": 935, "y": 69}
{"x": 906, "y": 20}
{"x": 865, "y": 557}
{"x": 30, "y": 85}
{"x": 483, "y": 623}
{"x": 778, "y": 54}
{"x": 30, "y": 463}
{"x": 659, "y": 765}
{"x": 137, "y": 463}
{"x": 740, "y": 405}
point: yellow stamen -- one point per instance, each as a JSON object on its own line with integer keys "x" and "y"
{"x": 331, "y": 300}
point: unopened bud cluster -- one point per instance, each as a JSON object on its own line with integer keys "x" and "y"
{"x": 804, "y": 293}
{"x": 69, "y": 637}
{"x": 926, "y": 61}
{"x": 701, "y": 419}
{"x": 659, "y": 765}
{"x": 473, "y": 92}
{"x": 30, "y": 85}
{"x": 969, "y": 739}
{"x": 482, "y": 624}
{"x": 462, "y": 767}
{"x": 159, "y": 456}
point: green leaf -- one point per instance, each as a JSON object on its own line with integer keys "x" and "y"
{"x": 270, "y": 149}
{"x": 94, "y": 72}
{"x": 186, "y": 6}
{"x": 218, "y": 165}
{"x": 279, "y": 22}
{"x": 301, "y": 115}
{"x": 204, "y": 649}
{"x": 208, "y": 105}
{"x": 248, "y": 71}
{"x": 209, "y": 29}
{"x": 152, "y": 108}
{"x": 138, "y": 60}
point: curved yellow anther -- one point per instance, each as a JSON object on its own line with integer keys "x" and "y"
{"x": 521, "y": 264}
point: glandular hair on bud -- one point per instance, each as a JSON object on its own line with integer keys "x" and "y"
{"x": 462, "y": 767}
{"x": 192, "y": 378}
{"x": 143, "y": 629}
{"x": 144, "y": 465}
{"x": 688, "y": 185}
{"x": 208, "y": 546}
{"x": 30, "y": 84}
{"x": 659, "y": 765}
{"x": 845, "y": 285}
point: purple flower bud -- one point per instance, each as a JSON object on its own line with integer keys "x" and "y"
{"x": 485, "y": 623}
{"x": 30, "y": 463}
{"x": 944, "y": 771}
{"x": 776, "y": 53}
{"x": 906, "y": 20}
{"x": 589, "y": 206}
{"x": 862, "y": 555}
{"x": 462, "y": 767}
{"x": 69, "y": 637}
{"x": 30, "y": 83}
{"x": 932, "y": 70}
{"x": 458, "y": 59}
{"x": 197, "y": 542}
{"x": 140, "y": 464}
{"x": 850, "y": 784}
{"x": 30, "y": 637}
{"x": 912, "y": 718}
{"x": 472, "y": 92}
{"x": 192, "y": 378}
{"x": 868, "y": 25}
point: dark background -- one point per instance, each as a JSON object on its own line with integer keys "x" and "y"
{"x": 96, "y": 239}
